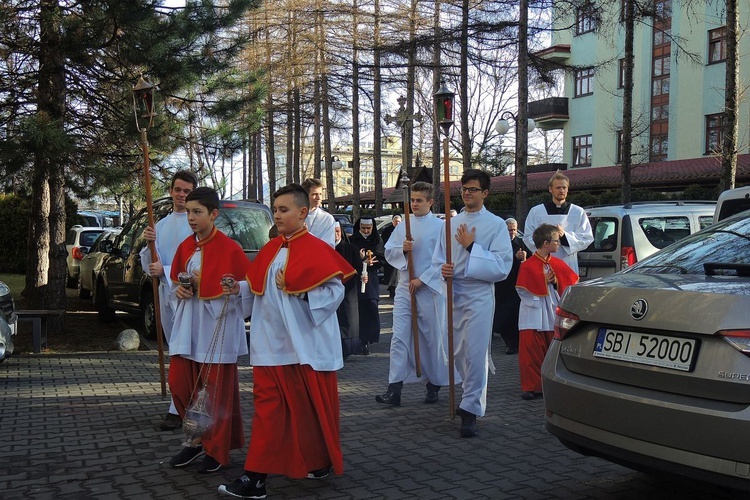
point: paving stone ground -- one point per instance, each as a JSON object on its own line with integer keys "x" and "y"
{"x": 83, "y": 426}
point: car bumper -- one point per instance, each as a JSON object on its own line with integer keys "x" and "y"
{"x": 635, "y": 428}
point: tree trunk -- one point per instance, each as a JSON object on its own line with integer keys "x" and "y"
{"x": 464, "y": 86}
{"x": 377, "y": 129}
{"x": 627, "y": 102}
{"x": 411, "y": 70}
{"x": 355, "y": 90}
{"x": 259, "y": 165}
{"x": 436, "y": 78}
{"x": 289, "y": 137}
{"x": 327, "y": 142}
{"x": 731, "y": 100}
{"x": 522, "y": 126}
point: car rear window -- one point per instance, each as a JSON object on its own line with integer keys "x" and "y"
{"x": 87, "y": 238}
{"x": 605, "y": 231}
{"x": 663, "y": 231}
{"x": 705, "y": 220}
{"x": 247, "y": 226}
{"x": 727, "y": 242}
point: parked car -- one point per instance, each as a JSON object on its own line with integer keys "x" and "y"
{"x": 77, "y": 243}
{"x": 92, "y": 261}
{"x": 122, "y": 285}
{"x": 7, "y": 322}
{"x": 650, "y": 367}
{"x": 626, "y": 234}
{"x": 732, "y": 201}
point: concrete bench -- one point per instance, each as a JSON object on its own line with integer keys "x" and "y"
{"x": 38, "y": 319}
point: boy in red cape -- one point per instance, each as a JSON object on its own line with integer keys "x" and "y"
{"x": 542, "y": 279}
{"x": 196, "y": 358}
{"x": 295, "y": 350}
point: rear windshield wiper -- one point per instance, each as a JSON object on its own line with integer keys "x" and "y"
{"x": 711, "y": 267}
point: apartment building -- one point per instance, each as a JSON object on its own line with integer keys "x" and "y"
{"x": 678, "y": 92}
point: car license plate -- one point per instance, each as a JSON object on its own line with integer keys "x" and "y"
{"x": 676, "y": 353}
{"x": 583, "y": 271}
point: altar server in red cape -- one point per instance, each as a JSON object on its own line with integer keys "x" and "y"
{"x": 197, "y": 358}
{"x": 542, "y": 279}
{"x": 295, "y": 350}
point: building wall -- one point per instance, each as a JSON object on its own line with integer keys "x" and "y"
{"x": 696, "y": 88}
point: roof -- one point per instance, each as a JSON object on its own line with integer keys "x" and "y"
{"x": 656, "y": 175}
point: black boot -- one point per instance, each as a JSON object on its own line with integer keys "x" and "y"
{"x": 431, "y": 394}
{"x": 392, "y": 395}
{"x": 468, "y": 423}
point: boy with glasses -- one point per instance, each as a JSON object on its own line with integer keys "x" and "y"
{"x": 542, "y": 279}
{"x": 481, "y": 254}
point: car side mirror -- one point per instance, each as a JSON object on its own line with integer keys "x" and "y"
{"x": 106, "y": 246}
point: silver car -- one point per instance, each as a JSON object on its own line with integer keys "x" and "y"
{"x": 650, "y": 367}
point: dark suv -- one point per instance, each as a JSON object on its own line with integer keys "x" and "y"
{"x": 122, "y": 284}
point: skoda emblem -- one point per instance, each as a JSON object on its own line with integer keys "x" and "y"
{"x": 639, "y": 309}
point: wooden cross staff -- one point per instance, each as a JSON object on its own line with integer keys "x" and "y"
{"x": 410, "y": 265}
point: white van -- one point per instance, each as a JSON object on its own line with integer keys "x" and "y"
{"x": 732, "y": 201}
{"x": 626, "y": 234}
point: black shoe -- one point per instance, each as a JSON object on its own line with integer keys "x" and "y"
{"x": 511, "y": 350}
{"x": 208, "y": 464}
{"x": 392, "y": 396}
{"x": 170, "y": 422}
{"x": 468, "y": 424}
{"x": 431, "y": 393}
{"x": 187, "y": 455}
{"x": 319, "y": 474}
{"x": 528, "y": 395}
{"x": 244, "y": 487}
{"x": 365, "y": 350}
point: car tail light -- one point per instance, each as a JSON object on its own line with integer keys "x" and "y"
{"x": 627, "y": 257}
{"x": 77, "y": 253}
{"x": 739, "y": 339}
{"x": 564, "y": 321}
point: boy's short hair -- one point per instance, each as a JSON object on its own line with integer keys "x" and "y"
{"x": 423, "y": 187}
{"x": 185, "y": 175}
{"x": 559, "y": 176}
{"x": 310, "y": 183}
{"x": 545, "y": 232}
{"x": 206, "y": 196}
{"x": 474, "y": 174}
{"x": 300, "y": 194}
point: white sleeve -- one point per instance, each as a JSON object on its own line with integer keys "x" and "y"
{"x": 324, "y": 300}
{"x": 394, "y": 249}
{"x": 494, "y": 263}
{"x": 578, "y": 234}
{"x": 532, "y": 222}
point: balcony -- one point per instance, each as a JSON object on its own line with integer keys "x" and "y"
{"x": 558, "y": 54}
{"x": 550, "y": 113}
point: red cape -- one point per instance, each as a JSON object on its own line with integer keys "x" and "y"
{"x": 220, "y": 255}
{"x": 310, "y": 263}
{"x": 531, "y": 275}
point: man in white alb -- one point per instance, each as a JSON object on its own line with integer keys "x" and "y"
{"x": 319, "y": 222}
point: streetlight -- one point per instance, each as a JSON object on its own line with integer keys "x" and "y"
{"x": 443, "y": 102}
{"x": 521, "y": 158}
{"x": 336, "y": 164}
{"x": 143, "y": 109}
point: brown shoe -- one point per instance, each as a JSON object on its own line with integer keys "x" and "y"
{"x": 171, "y": 422}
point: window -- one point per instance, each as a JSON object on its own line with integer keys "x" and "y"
{"x": 662, "y": 36}
{"x": 585, "y": 18}
{"x": 717, "y": 45}
{"x": 621, "y": 73}
{"x": 714, "y": 132}
{"x": 618, "y": 147}
{"x": 663, "y": 231}
{"x": 660, "y": 75}
{"x": 659, "y": 112}
{"x": 584, "y": 82}
{"x": 582, "y": 148}
{"x": 659, "y": 147}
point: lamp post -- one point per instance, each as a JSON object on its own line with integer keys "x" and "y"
{"x": 521, "y": 157}
{"x": 443, "y": 103}
{"x": 143, "y": 110}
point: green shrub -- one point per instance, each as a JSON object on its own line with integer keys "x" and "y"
{"x": 14, "y": 226}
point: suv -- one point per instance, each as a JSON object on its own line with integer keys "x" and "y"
{"x": 625, "y": 234}
{"x": 732, "y": 201}
{"x": 77, "y": 244}
{"x": 123, "y": 285}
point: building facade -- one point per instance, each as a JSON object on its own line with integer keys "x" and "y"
{"x": 678, "y": 91}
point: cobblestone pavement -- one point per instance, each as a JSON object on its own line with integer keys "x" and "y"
{"x": 83, "y": 426}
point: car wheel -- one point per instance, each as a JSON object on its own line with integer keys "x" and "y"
{"x": 83, "y": 293}
{"x": 148, "y": 315}
{"x": 106, "y": 314}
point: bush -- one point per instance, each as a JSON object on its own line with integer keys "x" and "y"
{"x": 15, "y": 213}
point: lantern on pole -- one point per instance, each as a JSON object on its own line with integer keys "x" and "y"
{"x": 443, "y": 100}
{"x": 143, "y": 110}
